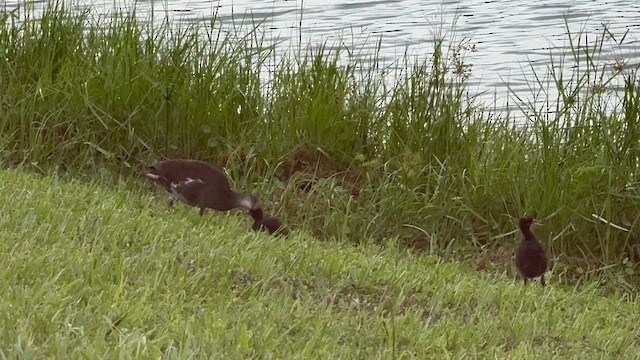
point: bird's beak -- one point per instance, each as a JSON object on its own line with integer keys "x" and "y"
{"x": 149, "y": 175}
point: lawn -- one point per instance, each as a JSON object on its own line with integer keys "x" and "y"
{"x": 113, "y": 272}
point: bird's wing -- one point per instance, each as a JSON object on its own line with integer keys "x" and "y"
{"x": 188, "y": 190}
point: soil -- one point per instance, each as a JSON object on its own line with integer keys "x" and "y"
{"x": 307, "y": 166}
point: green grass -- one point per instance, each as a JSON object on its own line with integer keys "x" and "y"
{"x": 90, "y": 97}
{"x": 91, "y": 272}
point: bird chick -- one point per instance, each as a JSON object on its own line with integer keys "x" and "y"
{"x": 531, "y": 258}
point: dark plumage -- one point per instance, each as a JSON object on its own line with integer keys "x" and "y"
{"x": 198, "y": 184}
{"x": 531, "y": 258}
{"x": 270, "y": 224}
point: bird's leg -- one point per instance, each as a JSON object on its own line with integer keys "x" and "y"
{"x": 542, "y": 281}
{"x": 201, "y": 211}
{"x": 525, "y": 280}
{"x": 171, "y": 202}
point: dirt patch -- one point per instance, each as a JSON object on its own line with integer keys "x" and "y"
{"x": 307, "y": 166}
{"x": 419, "y": 243}
{"x": 342, "y": 297}
{"x": 311, "y": 163}
{"x": 497, "y": 257}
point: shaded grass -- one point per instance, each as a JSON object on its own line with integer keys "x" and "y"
{"x": 91, "y": 97}
{"x": 92, "y": 272}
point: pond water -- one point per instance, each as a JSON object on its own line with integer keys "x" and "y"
{"x": 509, "y": 37}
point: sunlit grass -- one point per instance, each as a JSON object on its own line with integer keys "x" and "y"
{"x": 92, "y": 272}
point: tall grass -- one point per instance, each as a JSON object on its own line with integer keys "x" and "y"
{"x": 410, "y": 156}
{"x": 106, "y": 91}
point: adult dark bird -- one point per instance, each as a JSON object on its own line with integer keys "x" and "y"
{"x": 270, "y": 224}
{"x": 199, "y": 184}
{"x": 531, "y": 258}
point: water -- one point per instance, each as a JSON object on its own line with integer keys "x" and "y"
{"x": 510, "y": 37}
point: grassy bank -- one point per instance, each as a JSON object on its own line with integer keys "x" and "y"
{"x": 90, "y": 272}
{"x": 327, "y": 143}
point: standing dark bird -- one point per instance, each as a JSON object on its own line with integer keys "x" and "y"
{"x": 198, "y": 184}
{"x": 531, "y": 258}
{"x": 270, "y": 224}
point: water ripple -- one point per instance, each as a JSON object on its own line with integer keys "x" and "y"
{"x": 507, "y": 33}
